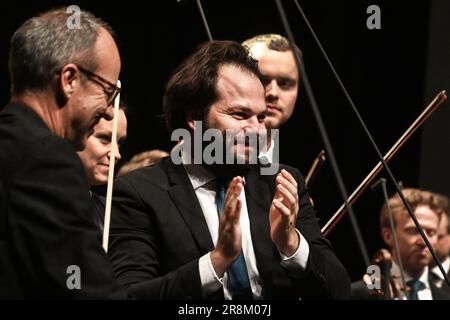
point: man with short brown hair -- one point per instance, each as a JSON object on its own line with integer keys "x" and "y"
{"x": 220, "y": 230}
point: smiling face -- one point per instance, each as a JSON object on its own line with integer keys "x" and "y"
{"x": 96, "y": 156}
{"x": 239, "y": 107}
{"x": 281, "y": 81}
{"x": 414, "y": 253}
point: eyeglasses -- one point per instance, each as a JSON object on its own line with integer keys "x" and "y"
{"x": 110, "y": 89}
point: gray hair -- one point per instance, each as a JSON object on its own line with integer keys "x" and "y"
{"x": 44, "y": 44}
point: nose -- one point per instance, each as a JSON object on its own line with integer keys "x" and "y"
{"x": 272, "y": 91}
{"x": 109, "y": 113}
{"x": 420, "y": 241}
{"x": 253, "y": 125}
{"x": 118, "y": 156}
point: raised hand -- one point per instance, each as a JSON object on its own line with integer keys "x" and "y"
{"x": 229, "y": 243}
{"x": 283, "y": 214}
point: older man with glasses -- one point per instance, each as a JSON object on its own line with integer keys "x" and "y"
{"x": 49, "y": 244}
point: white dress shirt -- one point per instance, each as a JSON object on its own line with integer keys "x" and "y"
{"x": 203, "y": 182}
{"x": 445, "y": 265}
{"x": 425, "y": 293}
{"x": 266, "y": 157}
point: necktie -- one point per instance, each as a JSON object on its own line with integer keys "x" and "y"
{"x": 415, "y": 285}
{"x": 237, "y": 271}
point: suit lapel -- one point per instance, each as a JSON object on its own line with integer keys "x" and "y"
{"x": 438, "y": 293}
{"x": 258, "y": 198}
{"x": 185, "y": 199}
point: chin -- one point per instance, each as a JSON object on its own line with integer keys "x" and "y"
{"x": 99, "y": 178}
{"x": 273, "y": 123}
{"x": 422, "y": 262}
{"x": 103, "y": 180}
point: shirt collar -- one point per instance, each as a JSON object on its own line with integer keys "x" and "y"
{"x": 199, "y": 176}
{"x": 267, "y": 157}
{"x": 445, "y": 265}
{"x": 395, "y": 270}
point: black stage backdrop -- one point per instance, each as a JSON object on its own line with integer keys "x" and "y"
{"x": 385, "y": 71}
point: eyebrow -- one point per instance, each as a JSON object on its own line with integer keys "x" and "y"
{"x": 287, "y": 79}
{"x": 246, "y": 109}
{"x": 104, "y": 132}
{"x": 239, "y": 107}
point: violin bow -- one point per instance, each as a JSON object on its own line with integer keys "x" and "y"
{"x": 319, "y": 120}
{"x": 437, "y": 101}
{"x": 324, "y": 135}
{"x": 205, "y": 22}
{"x": 315, "y": 168}
{"x": 112, "y": 162}
{"x": 372, "y": 142}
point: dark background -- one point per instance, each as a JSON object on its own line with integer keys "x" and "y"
{"x": 390, "y": 73}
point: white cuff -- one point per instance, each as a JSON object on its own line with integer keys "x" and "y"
{"x": 299, "y": 260}
{"x": 208, "y": 277}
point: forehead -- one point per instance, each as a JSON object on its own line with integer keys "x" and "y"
{"x": 275, "y": 62}
{"x": 240, "y": 87}
{"x": 107, "y": 56}
{"x": 424, "y": 215}
{"x": 107, "y": 126}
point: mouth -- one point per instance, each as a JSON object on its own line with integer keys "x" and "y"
{"x": 103, "y": 165}
{"x": 271, "y": 108}
{"x": 422, "y": 253}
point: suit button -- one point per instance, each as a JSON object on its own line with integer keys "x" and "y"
{"x": 321, "y": 276}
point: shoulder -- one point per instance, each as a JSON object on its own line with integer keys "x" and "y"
{"x": 292, "y": 170}
{"x": 27, "y": 143}
{"x": 147, "y": 178}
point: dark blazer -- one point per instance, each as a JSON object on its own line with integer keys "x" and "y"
{"x": 159, "y": 233}
{"x": 99, "y": 202}
{"x": 46, "y": 219}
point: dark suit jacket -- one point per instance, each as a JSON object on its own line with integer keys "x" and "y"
{"x": 46, "y": 219}
{"x": 99, "y": 201}
{"x": 159, "y": 233}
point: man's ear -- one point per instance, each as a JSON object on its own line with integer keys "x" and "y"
{"x": 68, "y": 80}
{"x": 191, "y": 121}
{"x": 386, "y": 234}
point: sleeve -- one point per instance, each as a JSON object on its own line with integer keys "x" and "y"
{"x": 325, "y": 276}
{"x": 208, "y": 276}
{"x": 136, "y": 252}
{"x": 298, "y": 261}
{"x": 55, "y": 241}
